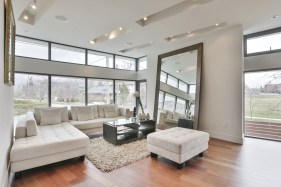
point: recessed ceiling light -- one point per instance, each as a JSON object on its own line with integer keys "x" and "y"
{"x": 61, "y": 18}
{"x": 217, "y": 24}
{"x": 275, "y": 17}
{"x": 92, "y": 42}
{"x": 25, "y": 17}
{"x": 145, "y": 18}
{"x": 178, "y": 71}
{"x": 120, "y": 28}
{"x": 33, "y": 6}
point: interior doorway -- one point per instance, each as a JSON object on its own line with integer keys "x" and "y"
{"x": 263, "y": 104}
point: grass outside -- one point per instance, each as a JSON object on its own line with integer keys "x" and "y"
{"x": 267, "y": 108}
{"x": 22, "y": 106}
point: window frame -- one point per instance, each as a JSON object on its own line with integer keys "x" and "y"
{"x": 260, "y": 34}
{"x": 138, "y": 63}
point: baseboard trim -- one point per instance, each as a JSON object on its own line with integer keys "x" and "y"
{"x": 226, "y": 137}
{"x": 6, "y": 176}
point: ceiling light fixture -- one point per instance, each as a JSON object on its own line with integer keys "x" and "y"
{"x": 145, "y": 18}
{"x": 275, "y": 17}
{"x": 26, "y": 17}
{"x": 217, "y": 24}
{"x": 92, "y": 42}
{"x": 33, "y": 5}
{"x": 178, "y": 71}
{"x": 120, "y": 28}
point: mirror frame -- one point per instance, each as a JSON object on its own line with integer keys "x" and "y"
{"x": 199, "y": 48}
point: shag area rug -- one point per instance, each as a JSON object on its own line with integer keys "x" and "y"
{"x": 107, "y": 157}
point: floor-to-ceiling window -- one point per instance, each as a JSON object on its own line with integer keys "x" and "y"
{"x": 100, "y": 91}
{"x": 263, "y": 104}
{"x": 124, "y": 93}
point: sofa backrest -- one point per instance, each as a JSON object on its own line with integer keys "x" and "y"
{"x": 64, "y": 113}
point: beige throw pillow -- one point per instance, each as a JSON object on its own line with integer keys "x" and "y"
{"x": 110, "y": 111}
{"x": 95, "y": 111}
{"x": 64, "y": 113}
{"x": 50, "y": 116}
{"x": 101, "y": 111}
{"x": 85, "y": 113}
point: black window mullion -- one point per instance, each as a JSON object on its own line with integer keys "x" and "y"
{"x": 49, "y": 90}
{"x": 114, "y": 94}
{"x": 49, "y": 51}
{"x": 86, "y": 57}
{"x": 86, "y": 91}
{"x": 114, "y": 61}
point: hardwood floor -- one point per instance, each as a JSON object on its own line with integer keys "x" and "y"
{"x": 257, "y": 163}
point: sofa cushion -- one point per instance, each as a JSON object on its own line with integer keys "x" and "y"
{"x": 64, "y": 113}
{"x": 168, "y": 120}
{"x": 95, "y": 111}
{"x": 50, "y": 140}
{"x": 73, "y": 113}
{"x": 21, "y": 127}
{"x": 84, "y": 113}
{"x": 95, "y": 123}
{"x": 178, "y": 140}
{"x": 110, "y": 111}
{"x": 176, "y": 116}
{"x": 50, "y": 116}
{"x": 169, "y": 114}
{"x": 31, "y": 126}
{"x": 100, "y": 111}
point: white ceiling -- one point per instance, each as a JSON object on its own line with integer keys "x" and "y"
{"x": 88, "y": 19}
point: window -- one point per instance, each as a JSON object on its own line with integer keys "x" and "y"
{"x": 181, "y": 106}
{"x": 143, "y": 93}
{"x": 142, "y": 63}
{"x": 30, "y": 91}
{"x": 163, "y": 77}
{"x": 67, "y": 54}
{"x": 264, "y": 43}
{"x": 169, "y": 102}
{"x": 100, "y": 59}
{"x": 161, "y": 100}
{"x": 124, "y": 91}
{"x": 67, "y": 91}
{"x": 183, "y": 86}
{"x": 100, "y": 91}
{"x": 31, "y": 48}
{"x": 125, "y": 63}
{"x": 172, "y": 81}
{"x": 192, "y": 88}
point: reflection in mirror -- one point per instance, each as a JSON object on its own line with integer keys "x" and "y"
{"x": 178, "y": 87}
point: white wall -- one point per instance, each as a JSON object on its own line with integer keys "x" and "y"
{"x": 6, "y": 111}
{"x": 263, "y": 62}
{"x": 57, "y": 68}
{"x": 221, "y": 84}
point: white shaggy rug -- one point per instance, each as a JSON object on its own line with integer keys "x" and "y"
{"x": 107, "y": 157}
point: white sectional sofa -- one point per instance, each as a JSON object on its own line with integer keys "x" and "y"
{"x": 168, "y": 119}
{"x": 54, "y": 134}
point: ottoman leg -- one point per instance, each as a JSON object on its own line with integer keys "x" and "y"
{"x": 201, "y": 154}
{"x": 82, "y": 158}
{"x": 180, "y": 166}
{"x": 153, "y": 155}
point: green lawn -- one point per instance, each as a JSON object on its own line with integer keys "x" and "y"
{"x": 264, "y": 104}
{"x": 22, "y": 106}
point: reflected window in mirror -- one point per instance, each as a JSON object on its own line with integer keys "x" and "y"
{"x": 172, "y": 81}
{"x": 181, "y": 106}
{"x": 163, "y": 77}
{"x": 192, "y": 88}
{"x": 143, "y": 93}
{"x": 183, "y": 86}
{"x": 169, "y": 102}
{"x": 161, "y": 100}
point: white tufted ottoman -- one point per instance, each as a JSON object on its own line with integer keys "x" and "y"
{"x": 177, "y": 144}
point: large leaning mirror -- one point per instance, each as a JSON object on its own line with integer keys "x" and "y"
{"x": 178, "y": 88}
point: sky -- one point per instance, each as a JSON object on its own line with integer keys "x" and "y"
{"x": 258, "y": 79}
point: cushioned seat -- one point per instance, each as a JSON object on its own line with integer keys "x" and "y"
{"x": 50, "y": 140}
{"x": 178, "y": 144}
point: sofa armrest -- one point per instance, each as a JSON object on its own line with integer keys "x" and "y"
{"x": 21, "y": 127}
{"x": 31, "y": 125}
{"x": 124, "y": 112}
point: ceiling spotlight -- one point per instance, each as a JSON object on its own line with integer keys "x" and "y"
{"x": 275, "y": 17}
{"x": 120, "y": 28}
{"x": 178, "y": 71}
{"x": 92, "y": 42}
{"x": 145, "y": 18}
{"x": 33, "y": 6}
{"x": 26, "y": 17}
{"x": 217, "y": 24}
{"x": 188, "y": 32}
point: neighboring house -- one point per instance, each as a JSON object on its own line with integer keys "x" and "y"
{"x": 272, "y": 88}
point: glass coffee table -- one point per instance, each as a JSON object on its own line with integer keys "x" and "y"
{"x": 127, "y": 130}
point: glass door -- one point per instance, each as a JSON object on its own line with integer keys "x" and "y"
{"x": 263, "y": 104}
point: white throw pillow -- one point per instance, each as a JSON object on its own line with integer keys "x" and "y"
{"x": 169, "y": 114}
{"x": 64, "y": 113}
{"x": 110, "y": 111}
{"x": 73, "y": 113}
{"x": 95, "y": 111}
{"x": 50, "y": 116}
{"x": 85, "y": 113}
{"x": 31, "y": 125}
